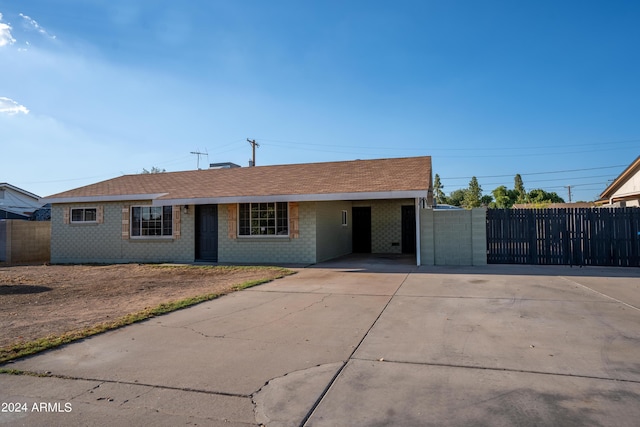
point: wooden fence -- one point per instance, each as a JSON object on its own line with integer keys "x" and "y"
{"x": 24, "y": 242}
{"x": 574, "y": 236}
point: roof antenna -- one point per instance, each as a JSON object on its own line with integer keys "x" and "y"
{"x": 254, "y": 144}
{"x": 199, "y": 153}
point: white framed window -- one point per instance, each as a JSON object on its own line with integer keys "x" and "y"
{"x": 263, "y": 219}
{"x": 344, "y": 218}
{"x": 151, "y": 221}
{"x": 83, "y": 215}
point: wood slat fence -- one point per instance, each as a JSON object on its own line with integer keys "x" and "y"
{"x": 571, "y": 236}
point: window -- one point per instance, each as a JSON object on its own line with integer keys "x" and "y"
{"x": 151, "y": 221}
{"x": 263, "y": 219}
{"x": 344, "y": 218}
{"x": 84, "y": 215}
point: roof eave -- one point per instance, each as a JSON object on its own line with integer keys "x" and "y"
{"x": 407, "y": 194}
{"x": 621, "y": 179}
{"x": 97, "y": 199}
{"x": 621, "y": 198}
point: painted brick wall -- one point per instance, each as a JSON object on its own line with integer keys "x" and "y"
{"x": 386, "y": 224}
{"x": 427, "y": 237}
{"x": 453, "y": 237}
{"x": 270, "y": 250}
{"x": 333, "y": 239}
{"x": 103, "y": 243}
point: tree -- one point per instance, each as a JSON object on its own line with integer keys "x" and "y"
{"x": 456, "y": 198}
{"x": 438, "y": 194}
{"x": 153, "y": 170}
{"x": 501, "y": 196}
{"x": 539, "y": 196}
{"x": 518, "y": 187}
{"x": 473, "y": 195}
{"x": 486, "y": 200}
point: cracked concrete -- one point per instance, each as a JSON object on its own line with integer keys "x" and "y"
{"x": 358, "y": 342}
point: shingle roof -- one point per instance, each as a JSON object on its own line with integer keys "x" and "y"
{"x": 400, "y": 177}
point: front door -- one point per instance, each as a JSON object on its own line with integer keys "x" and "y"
{"x": 207, "y": 233}
{"x": 408, "y": 229}
{"x": 361, "y": 229}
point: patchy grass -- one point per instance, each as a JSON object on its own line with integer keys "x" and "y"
{"x": 28, "y": 348}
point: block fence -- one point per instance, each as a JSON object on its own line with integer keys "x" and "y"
{"x": 453, "y": 237}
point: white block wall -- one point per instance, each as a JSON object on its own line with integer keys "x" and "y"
{"x": 453, "y": 237}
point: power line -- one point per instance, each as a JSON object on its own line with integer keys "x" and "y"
{"x": 484, "y": 148}
{"x": 554, "y": 179}
{"x": 537, "y": 173}
{"x": 369, "y": 150}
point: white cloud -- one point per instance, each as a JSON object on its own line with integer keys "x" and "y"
{"x": 11, "y": 107}
{"x": 5, "y": 34}
{"x": 33, "y": 23}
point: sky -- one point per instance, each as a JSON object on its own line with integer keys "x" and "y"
{"x": 92, "y": 90}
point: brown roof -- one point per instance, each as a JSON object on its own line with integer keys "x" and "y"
{"x": 404, "y": 177}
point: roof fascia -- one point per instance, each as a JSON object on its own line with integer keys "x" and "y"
{"x": 411, "y": 194}
{"x": 94, "y": 199}
{"x": 621, "y": 179}
{"x": 621, "y": 198}
{"x": 18, "y": 190}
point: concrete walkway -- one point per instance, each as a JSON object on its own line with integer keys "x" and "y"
{"x": 362, "y": 342}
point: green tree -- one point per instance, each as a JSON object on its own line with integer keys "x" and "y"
{"x": 438, "y": 194}
{"x": 518, "y": 187}
{"x": 473, "y": 195}
{"x": 504, "y": 198}
{"x": 456, "y": 198}
{"x": 539, "y": 196}
{"x": 501, "y": 196}
{"x": 486, "y": 200}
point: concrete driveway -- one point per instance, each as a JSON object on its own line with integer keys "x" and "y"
{"x": 361, "y": 342}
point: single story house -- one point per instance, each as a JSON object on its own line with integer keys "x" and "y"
{"x": 624, "y": 191}
{"x": 16, "y": 203}
{"x": 297, "y": 213}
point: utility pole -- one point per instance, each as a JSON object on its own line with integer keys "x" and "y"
{"x": 198, "y": 153}
{"x": 254, "y": 144}
{"x": 569, "y": 190}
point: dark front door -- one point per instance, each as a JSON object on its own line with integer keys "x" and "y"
{"x": 408, "y": 229}
{"x": 361, "y": 229}
{"x": 207, "y": 233}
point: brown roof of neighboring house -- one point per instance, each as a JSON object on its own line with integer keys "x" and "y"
{"x": 608, "y": 193}
{"x": 383, "y": 178}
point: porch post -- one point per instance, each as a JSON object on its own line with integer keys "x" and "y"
{"x": 418, "y": 231}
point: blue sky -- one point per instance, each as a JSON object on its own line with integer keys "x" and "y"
{"x": 90, "y": 90}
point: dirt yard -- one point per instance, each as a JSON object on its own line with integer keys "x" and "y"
{"x": 37, "y": 301}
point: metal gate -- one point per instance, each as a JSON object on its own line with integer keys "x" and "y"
{"x": 574, "y": 236}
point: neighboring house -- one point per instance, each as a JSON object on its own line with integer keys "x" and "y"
{"x": 16, "y": 203}
{"x": 624, "y": 191}
{"x": 301, "y": 213}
